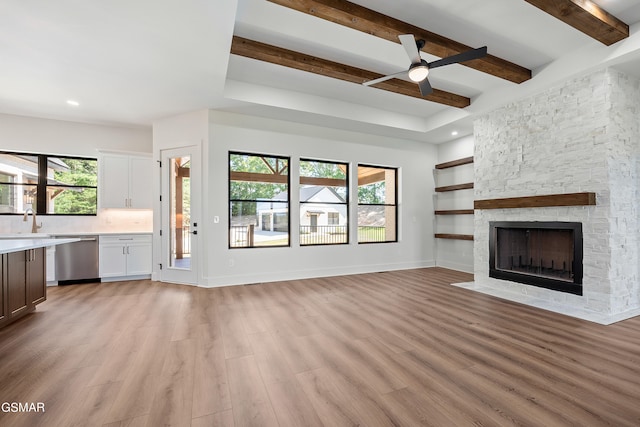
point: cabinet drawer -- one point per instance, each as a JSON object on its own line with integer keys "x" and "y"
{"x": 125, "y": 238}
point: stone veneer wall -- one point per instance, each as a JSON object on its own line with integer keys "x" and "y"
{"x": 581, "y": 136}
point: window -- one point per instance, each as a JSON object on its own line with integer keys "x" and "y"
{"x": 323, "y": 203}
{"x": 48, "y": 184}
{"x": 258, "y": 200}
{"x": 334, "y": 218}
{"x": 377, "y": 204}
{"x": 7, "y": 192}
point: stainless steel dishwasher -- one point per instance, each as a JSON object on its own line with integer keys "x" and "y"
{"x": 77, "y": 262}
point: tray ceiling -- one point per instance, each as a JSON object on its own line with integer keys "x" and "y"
{"x": 130, "y": 63}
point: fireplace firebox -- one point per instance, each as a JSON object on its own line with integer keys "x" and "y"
{"x": 544, "y": 254}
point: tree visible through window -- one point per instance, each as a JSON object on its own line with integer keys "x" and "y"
{"x": 258, "y": 200}
{"x": 73, "y": 188}
{"x": 48, "y": 184}
{"x": 377, "y": 204}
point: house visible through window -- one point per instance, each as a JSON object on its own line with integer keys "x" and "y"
{"x": 258, "y": 200}
{"x": 377, "y": 204}
{"x": 48, "y": 184}
{"x": 323, "y": 202}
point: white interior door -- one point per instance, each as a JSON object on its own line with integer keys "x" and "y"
{"x": 180, "y": 214}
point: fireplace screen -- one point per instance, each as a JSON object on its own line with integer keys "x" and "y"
{"x": 546, "y": 254}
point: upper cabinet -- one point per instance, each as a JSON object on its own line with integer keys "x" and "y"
{"x": 125, "y": 181}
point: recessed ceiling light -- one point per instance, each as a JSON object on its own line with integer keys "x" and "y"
{"x": 454, "y": 133}
{"x": 73, "y": 103}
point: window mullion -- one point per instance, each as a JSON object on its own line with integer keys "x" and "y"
{"x": 41, "y": 192}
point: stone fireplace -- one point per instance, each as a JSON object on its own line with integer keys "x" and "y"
{"x": 581, "y": 136}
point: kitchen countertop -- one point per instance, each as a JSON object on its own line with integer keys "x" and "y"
{"x": 17, "y": 245}
{"x": 102, "y": 233}
{"x": 71, "y": 233}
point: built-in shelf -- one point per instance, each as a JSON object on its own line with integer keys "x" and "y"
{"x": 454, "y": 236}
{"x": 453, "y": 163}
{"x": 550, "y": 200}
{"x": 455, "y": 212}
{"x": 464, "y": 186}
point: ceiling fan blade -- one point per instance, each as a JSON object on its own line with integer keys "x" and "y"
{"x": 425, "y": 87}
{"x": 385, "y": 78}
{"x": 461, "y": 57}
{"x": 409, "y": 43}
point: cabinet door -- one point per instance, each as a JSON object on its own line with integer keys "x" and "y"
{"x": 36, "y": 276}
{"x": 17, "y": 295}
{"x": 140, "y": 180}
{"x": 113, "y": 260}
{"x": 3, "y": 290}
{"x": 139, "y": 259}
{"x": 114, "y": 181}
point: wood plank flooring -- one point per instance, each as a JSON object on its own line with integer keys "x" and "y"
{"x": 387, "y": 349}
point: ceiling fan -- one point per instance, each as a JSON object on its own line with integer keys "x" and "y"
{"x": 419, "y": 68}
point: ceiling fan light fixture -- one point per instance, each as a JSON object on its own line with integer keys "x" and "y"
{"x": 418, "y": 72}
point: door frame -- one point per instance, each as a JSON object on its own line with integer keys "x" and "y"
{"x": 167, "y": 273}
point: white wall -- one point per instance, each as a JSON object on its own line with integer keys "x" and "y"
{"x": 454, "y": 254}
{"x": 31, "y": 134}
{"x": 28, "y": 134}
{"x": 456, "y": 149}
{"x": 224, "y": 266}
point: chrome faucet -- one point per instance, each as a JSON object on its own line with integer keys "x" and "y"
{"x": 35, "y": 226}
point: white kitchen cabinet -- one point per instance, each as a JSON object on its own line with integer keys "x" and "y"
{"x": 125, "y": 256}
{"x": 125, "y": 181}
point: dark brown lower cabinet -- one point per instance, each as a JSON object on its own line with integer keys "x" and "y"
{"x": 17, "y": 292}
{"x": 23, "y": 283}
{"x": 37, "y": 276}
{"x": 3, "y": 291}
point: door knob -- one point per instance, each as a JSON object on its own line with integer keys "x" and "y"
{"x": 194, "y": 232}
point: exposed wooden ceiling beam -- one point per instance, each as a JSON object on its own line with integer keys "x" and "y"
{"x": 288, "y": 58}
{"x": 586, "y": 16}
{"x": 366, "y": 20}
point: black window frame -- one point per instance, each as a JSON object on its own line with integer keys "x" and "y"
{"x": 40, "y": 205}
{"x": 232, "y": 200}
{"x": 394, "y": 205}
{"x": 345, "y": 203}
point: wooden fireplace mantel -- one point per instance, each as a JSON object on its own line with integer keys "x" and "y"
{"x": 549, "y": 200}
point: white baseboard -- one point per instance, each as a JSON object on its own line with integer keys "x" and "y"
{"x": 125, "y": 278}
{"x": 245, "y": 279}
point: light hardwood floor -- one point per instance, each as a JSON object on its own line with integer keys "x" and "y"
{"x": 398, "y": 348}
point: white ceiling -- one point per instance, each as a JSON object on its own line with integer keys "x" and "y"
{"x": 132, "y": 62}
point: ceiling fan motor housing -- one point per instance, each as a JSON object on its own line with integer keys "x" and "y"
{"x": 419, "y": 71}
